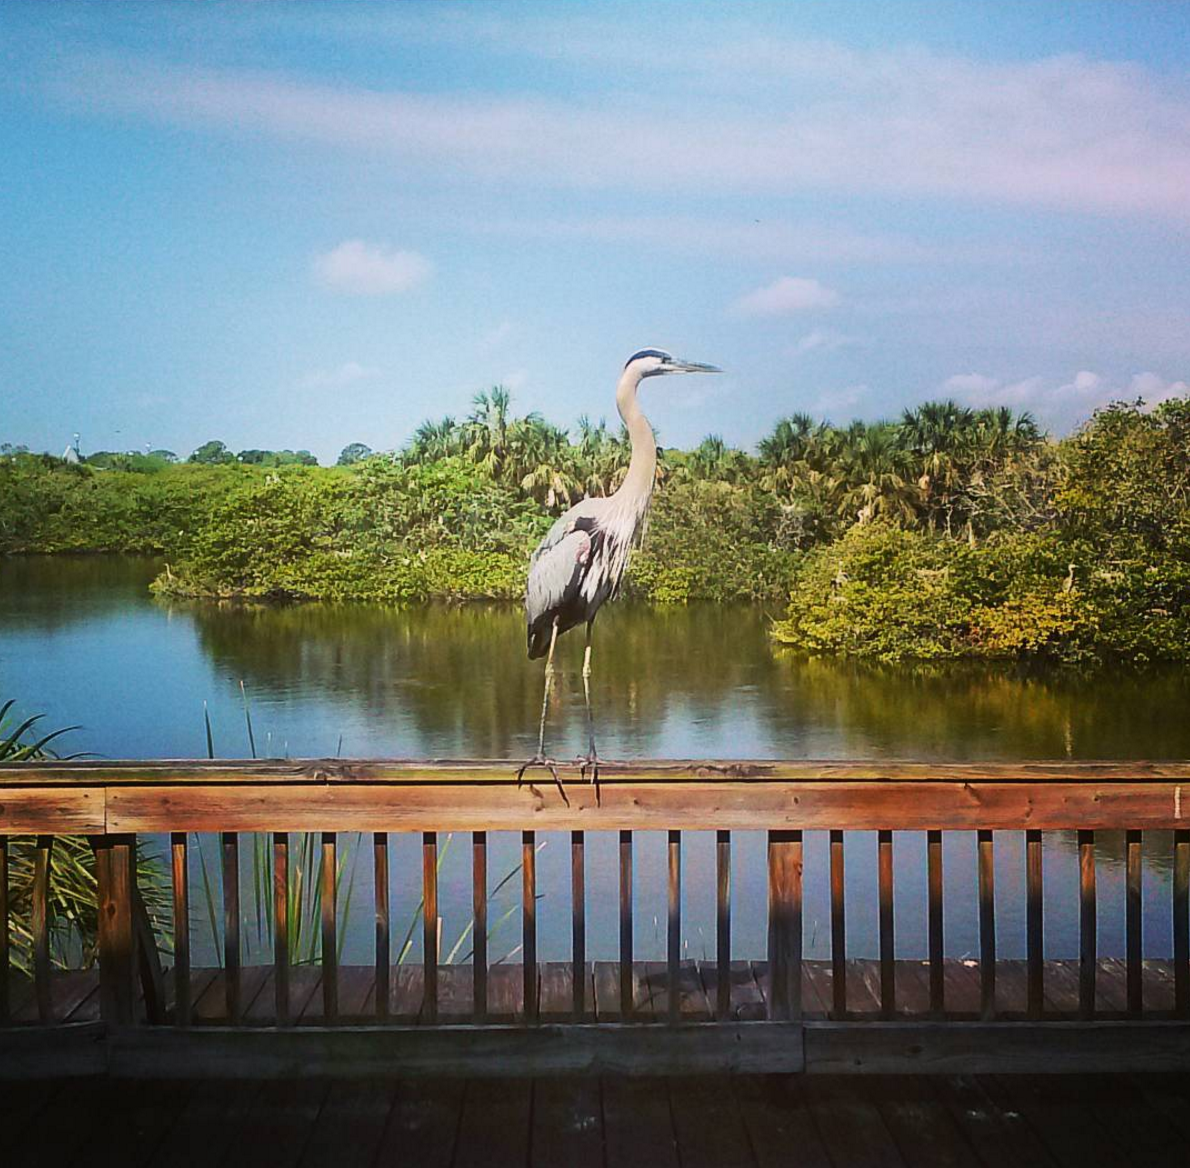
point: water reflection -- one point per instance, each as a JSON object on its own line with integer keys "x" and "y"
{"x": 82, "y": 640}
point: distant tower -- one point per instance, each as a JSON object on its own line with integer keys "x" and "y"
{"x": 71, "y": 453}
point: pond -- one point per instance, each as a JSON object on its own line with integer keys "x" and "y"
{"x": 83, "y": 641}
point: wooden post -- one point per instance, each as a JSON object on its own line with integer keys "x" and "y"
{"x": 281, "y": 926}
{"x": 723, "y": 925}
{"x": 529, "y": 921}
{"x": 231, "y": 924}
{"x": 1087, "y": 940}
{"x": 429, "y": 913}
{"x": 626, "y": 995}
{"x": 935, "y": 923}
{"x": 479, "y": 929}
{"x": 578, "y": 924}
{"x": 114, "y": 858}
{"x": 1034, "y": 932}
{"x": 380, "y": 908}
{"x": 39, "y": 926}
{"x": 673, "y": 953}
{"x": 785, "y": 925}
{"x": 1133, "y": 914}
{"x": 838, "y": 929}
{"x": 330, "y": 931}
{"x": 1181, "y": 921}
{"x": 888, "y": 985}
{"x": 987, "y": 927}
{"x": 181, "y": 889}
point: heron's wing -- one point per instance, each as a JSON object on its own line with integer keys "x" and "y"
{"x": 556, "y": 573}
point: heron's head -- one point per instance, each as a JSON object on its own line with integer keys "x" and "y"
{"x": 654, "y": 362}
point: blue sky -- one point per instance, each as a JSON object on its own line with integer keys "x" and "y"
{"x": 306, "y": 225}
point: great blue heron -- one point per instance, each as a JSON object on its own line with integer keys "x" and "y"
{"x": 581, "y": 561}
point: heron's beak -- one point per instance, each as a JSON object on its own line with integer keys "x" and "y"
{"x": 690, "y": 367}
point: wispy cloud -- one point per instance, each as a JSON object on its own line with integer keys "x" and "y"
{"x": 498, "y": 334}
{"x": 1061, "y": 131}
{"x": 785, "y": 297}
{"x": 368, "y": 269}
{"x": 339, "y": 376}
{"x": 823, "y": 341}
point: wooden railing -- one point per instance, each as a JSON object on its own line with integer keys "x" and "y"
{"x": 147, "y": 1020}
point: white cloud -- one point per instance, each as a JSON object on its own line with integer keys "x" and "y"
{"x": 515, "y": 380}
{"x": 498, "y": 334}
{"x": 338, "y": 377}
{"x": 786, "y": 296}
{"x": 1061, "y": 131}
{"x": 822, "y": 340}
{"x": 969, "y": 384}
{"x": 369, "y": 269}
{"x": 1154, "y": 388}
{"x": 834, "y": 403}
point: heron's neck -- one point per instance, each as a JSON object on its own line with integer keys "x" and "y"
{"x": 642, "y": 469}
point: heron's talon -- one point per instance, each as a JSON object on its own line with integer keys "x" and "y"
{"x": 590, "y": 763}
{"x": 539, "y": 760}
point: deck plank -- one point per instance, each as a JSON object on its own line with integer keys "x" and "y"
{"x": 494, "y": 1128}
{"x": 919, "y": 1122}
{"x": 567, "y": 1122}
{"x": 708, "y": 1126}
{"x": 638, "y": 1125}
{"x": 423, "y": 1123}
{"x": 350, "y": 1125}
{"x": 778, "y": 1120}
{"x": 1000, "y": 1139}
{"x": 851, "y": 1127}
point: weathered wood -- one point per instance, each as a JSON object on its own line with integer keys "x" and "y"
{"x": 230, "y": 851}
{"x": 479, "y": 928}
{"x": 785, "y": 925}
{"x": 884, "y": 869}
{"x": 330, "y": 934}
{"x": 148, "y": 959}
{"x": 838, "y": 927}
{"x": 5, "y": 958}
{"x": 626, "y": 994}
{"x": 499, "y": 772}
{"x": 529, "y": 922}
{"x": 954, "y": 1047}
{"x": 578, "y": 924}
{"x": 1133, "y": 911}
{"x": 42, "y": 810}
{"x": 934, "y": 922}
{"x": 429, "y": 913}
{"x": 719, "y": 805}
{"x": 475, "y": 1051}
{"x": 1087, "y": 939}
{"x": 115, "y": 856}
{"x": 180, "y": 856}
{"x": 51, "y": 1052}
{"x": 39, "y": 927}
{"x": 987, "y": 926}
{"x": 281, "y": 928}
{"x": 1181, "y": 922}
{"x": 723, "y": 925}
{"x": 1034, "y": 913}
{"x": 674, "y": 923}
{"x": 383, "y": 994}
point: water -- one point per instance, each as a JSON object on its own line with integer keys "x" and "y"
{"x": 82, "y": 641}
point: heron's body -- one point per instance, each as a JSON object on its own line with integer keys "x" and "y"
{"x": 580, "y": 563}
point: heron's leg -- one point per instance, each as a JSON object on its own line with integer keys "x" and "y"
{"x": 591, "y": 762}
{"x": 539, "y": 759}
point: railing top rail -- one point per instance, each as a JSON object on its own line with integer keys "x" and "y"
{"x": 104, "y": 772}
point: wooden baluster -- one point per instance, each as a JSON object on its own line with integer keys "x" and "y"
{"x": 39, "y": 926}
{"x": 888, "y": 985}
{"x": 114, "y": 858}
{"x": 785, "y": 925}
{"x": 330, "y": 939}
{"x": 578, "y": 924}
{"x": 529, "y": 921}
{"x": 479, "y": 929}
{"x": 231, "y": 924}
{"x": 1034, "y": 920}
{"x": 181, "y": 889}
{"x": 723, "y": 925}
{"x": 5, "y": 959}
{"x": 935, "y": 922}
{"x": 383, "y": 944}
{"x": 1181, "y": 921}
{"x": 987, "y": 926}
{"x": 281, "y": 926}
{"x": 1133, "y": 911}
{"x": 626, "y": 1002}
{"x": 429, "y": 883}
{"x": 838, "y": 929}
{"x": 674, "y": 926}
{"x": 1087, "y": 954}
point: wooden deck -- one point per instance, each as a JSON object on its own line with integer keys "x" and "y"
{"x": 714, "y": 1121}
{"x": 76, "y": 993}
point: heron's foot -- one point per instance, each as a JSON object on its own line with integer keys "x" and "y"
{"x": 539, "y": 760}
{"x": 589, "y": 769}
